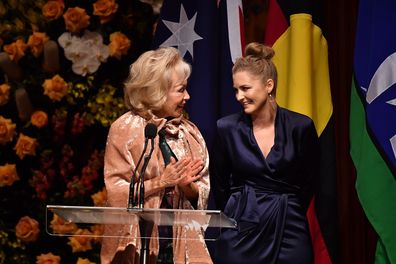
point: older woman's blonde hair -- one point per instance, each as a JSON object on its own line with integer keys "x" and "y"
{"x": 150, "y": 78}
{"x": 258, "y": 62}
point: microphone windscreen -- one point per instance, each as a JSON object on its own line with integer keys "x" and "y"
{"x": 150, "y": 131}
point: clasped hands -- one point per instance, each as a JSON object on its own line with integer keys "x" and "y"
{"x": 182, "y": 172}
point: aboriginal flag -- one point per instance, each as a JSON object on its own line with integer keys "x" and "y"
{"x": 293, "y": 30}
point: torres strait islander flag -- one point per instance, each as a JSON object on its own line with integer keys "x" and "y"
{"x": 293, "y": 30}
{"x": 373, "y": 121}
{"x": 208, "y": 34}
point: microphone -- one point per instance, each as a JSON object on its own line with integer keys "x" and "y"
{"x": 150, "y": 131}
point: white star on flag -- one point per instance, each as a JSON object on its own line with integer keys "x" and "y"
{"x": 183, "y": 34}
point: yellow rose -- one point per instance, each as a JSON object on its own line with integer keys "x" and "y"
{"x": 119, "y": 45}
{"x": 84, "y": 261}
{"x": 16, "y": 50}
{"x": 53, "y": 9}
{"x": 25, "y": 146}
{"x": 39, "y": 119}
{"x": 8, "y": 175}
{"x": 4, "y": 93}
{"x": 27, "y": 229}
{"x": 99, "y": 198}
{"x": 59, "y": 226}
{"x": 48, "y": 259}
{"x": 7, "y": 130}
{"x": 105, "y": 9}
{"x": 76, "y": 19}
{"x": 81, "y": 241}
{"x": 36, "y": 43}
{"x": 55, "y": 88}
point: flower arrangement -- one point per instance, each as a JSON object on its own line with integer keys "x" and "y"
{"x": 62, "y": 68}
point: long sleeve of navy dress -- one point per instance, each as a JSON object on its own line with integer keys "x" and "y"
{"x": 267, "y": 196}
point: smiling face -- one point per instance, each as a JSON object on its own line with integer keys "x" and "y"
{"x": 251, "y": 92}
{"x": 176, "y": 98}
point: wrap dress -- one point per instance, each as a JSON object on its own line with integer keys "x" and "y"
{"x": 267, "y": 196}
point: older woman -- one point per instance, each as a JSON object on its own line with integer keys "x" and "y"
{"x": 155, "y": 92}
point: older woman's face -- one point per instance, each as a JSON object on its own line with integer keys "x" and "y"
{"x": 176, "y": 98}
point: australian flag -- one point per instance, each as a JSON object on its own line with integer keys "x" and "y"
{"x": 375, "y": 71}
{"x": 207, "y": 34}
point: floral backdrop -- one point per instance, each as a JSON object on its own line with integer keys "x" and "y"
{"x": 62, "y": 67}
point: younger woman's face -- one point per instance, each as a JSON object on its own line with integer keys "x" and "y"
{"x": 251, "y": 92}
{"x": 176, "y": 98}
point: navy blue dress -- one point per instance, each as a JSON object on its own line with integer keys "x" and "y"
{"x": 267, "y": 196}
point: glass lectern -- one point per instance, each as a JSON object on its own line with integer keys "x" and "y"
{"x": 209, "y": 221}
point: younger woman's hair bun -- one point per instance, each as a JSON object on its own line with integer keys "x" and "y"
{"x": 259, "y": 51}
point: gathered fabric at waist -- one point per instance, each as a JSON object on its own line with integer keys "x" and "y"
{"x": 268, "y": 187}
{"x": 248, "y": 204}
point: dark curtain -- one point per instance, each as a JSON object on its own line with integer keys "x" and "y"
{"x": 357, "y": 238}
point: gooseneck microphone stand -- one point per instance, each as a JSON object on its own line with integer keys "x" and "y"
{"x": 150, "y": 132}
{"x": 145, "y": 226}
{"x": 131, "y": 197}
{"x": 136, "y": 200}
{"x": 142, "y": 172}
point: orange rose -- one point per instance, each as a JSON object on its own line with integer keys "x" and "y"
{"x": 8, "y": 175}
{"x": 25, "y": 146}
{"x": 76, "y": 19}
{"x": 4, "y": 93}
{"x": 36, "y": 43}
{"x": 84, "y": 261}
{"x": 53, "y": 9}
{"x": 59, "y": 226}
{"x": 81, "y": 241}
{"x": 105, "y": 9}
{"x": 39, "y": 119}
{"x": 16, "y": 50}
{"x": 7, "y": 130}
{"x": 55, "y": 88}
{"x": 119, "y": 45}
{"x": 48, "y": 259}
{"x": 27, "y": 229}
{"x": 99, "y": 198}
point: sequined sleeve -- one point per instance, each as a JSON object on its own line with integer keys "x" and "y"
{"x": 120, "y": 160}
